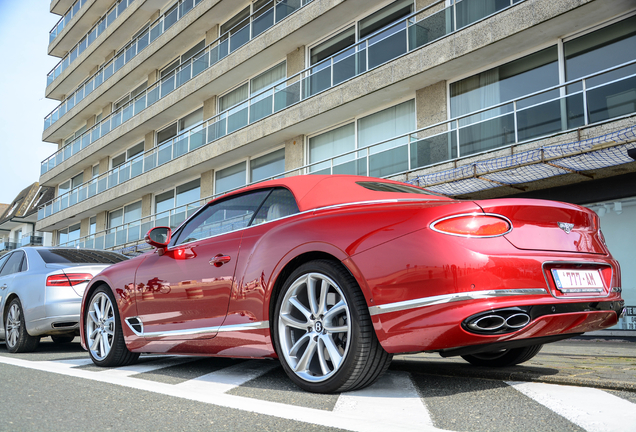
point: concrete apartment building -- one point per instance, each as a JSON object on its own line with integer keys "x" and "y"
{"x": 166, "y": 103}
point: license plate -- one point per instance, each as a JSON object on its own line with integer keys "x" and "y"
{"x": 578, "y": 281}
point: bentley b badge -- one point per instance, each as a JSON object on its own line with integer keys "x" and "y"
{"x": 567, "y": 227}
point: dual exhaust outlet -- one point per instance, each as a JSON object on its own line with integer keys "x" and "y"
{"x": 498, "y": 322}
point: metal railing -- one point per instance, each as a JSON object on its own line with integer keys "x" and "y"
{"x": 107, "y": 19}
{"x": 8, "y": 245}
{"x": 66, "y": 18}
{"x": 32, "y": 239}
{"x": 385, "y": 45}
{"x": 598, "y": 97}
{"x": 259, "y": 22}
{"x": 134, "y": 231}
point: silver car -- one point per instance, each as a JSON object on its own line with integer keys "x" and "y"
{"x": 41, "y": 291}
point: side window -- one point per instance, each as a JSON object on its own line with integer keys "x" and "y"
{"x": 14, "y": 263}
{"x": 222, "y": 217}
{"x": 279, "y": 203}
{"x": 3, "y": 260}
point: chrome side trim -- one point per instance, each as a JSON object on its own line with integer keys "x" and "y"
{"x": 132, "y": 328}
{"x": 205, "y": 330}
{"x": 449, "y": 298}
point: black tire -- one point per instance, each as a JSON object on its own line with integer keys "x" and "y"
{"x": 330, "y": 346}
{"x": 62, "y": 339}
{"x": 103, "y": 331}
{"x": 503, "y": 358}
{"x": 17, "y": 339}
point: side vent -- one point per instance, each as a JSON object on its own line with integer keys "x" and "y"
{"x": 135, "y": 325}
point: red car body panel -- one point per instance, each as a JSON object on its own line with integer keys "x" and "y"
{"x": 420, "y": 285}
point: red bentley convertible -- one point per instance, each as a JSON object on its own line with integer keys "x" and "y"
{"x": 335, "y": 274}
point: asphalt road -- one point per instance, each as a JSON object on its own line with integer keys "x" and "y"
{"x": 572, "y": 385}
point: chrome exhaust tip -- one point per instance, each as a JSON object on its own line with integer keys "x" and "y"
{"x": 487, "y": 323}
{"x": 622, "y": 314}
{"x": 518, "y": 320}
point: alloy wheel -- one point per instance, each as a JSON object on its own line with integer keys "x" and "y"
{"x": 100, "y": 326}
{"x": 13, "y": 325}
{"x": 314, "y": 325}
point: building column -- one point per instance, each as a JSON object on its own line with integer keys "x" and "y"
{"x": 430, "y": 106}
{"x": 209, "y": 108}
{"x": 149, "y": 141}
{"x": 207, "y": 184}
{"x": 212, "y": 35}
{"x": 295, "y": 62}
{"x": 294, "y": 154}
{"x": 84, "y": 227}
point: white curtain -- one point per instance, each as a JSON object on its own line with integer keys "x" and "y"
{"x": 332, "y": 143}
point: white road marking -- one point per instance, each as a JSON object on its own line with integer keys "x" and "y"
{"x": 592, "y": 409}
{"x": 213, "y": 393}
{"x": 226, "y": 379}
{"x": 392, "y": 399}
{"x": 135, "y": 369}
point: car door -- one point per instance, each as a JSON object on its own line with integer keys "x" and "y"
{"x": 11, "y": 265}
{"x": 184, "y": 292}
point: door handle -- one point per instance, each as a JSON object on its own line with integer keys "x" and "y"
{"x": 219, "y": 260}
{"x": 3, "y": 287}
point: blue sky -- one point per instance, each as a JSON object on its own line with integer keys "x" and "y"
{"x": 24, "y": 28}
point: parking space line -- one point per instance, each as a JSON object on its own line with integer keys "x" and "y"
{"x": 159, "y": 363}
{"x": 230, "y": 377}
{"x": 592, "y": 409}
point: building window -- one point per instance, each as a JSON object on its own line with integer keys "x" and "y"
{"x": 92, "y": 225}
{"x": 249, "y": 171}
{"x": 129, "y": 215}
{"x": 179, "y": 126}
{"x": 384, "y": 159}
{"x": 607, "y": 96}
{"x": 126, "y": 156}
{"x": 602, "y": 49}
{"x": 78, "y": 133}
{"x": 174, "y": 206}
{"x": 240, "y": 110}
{"x": 130, "y": 97}
{"x": 70, "y": 234}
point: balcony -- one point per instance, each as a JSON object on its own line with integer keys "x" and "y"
{"x": 32, "y": 239}
{"x": 133, "y": 232}
{"x": 603, "y": 96}
{"x": 259, "y": 22}
{"x": 107, "y": 19}
{"x": 66, "y": 19}
{"x": 385, "y": 45}
{"x": 7, "y": 246}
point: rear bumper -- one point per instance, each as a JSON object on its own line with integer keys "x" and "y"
{"x": 443, "y": 327}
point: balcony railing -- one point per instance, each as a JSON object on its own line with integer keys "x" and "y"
{"x": 68, "y": 16}
{"x": 135, "y": 231}
{"x": 595, "y": 98}
{"x": 32, "y": 239}
{"x": 259, "y": 22}
{"x": 7, "y": 246}
{"x": 107, "y": 19}
{"x": 197, "y": 64}
{"x": 385, "y": 45}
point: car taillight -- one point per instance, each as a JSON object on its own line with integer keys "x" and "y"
{"x": 70, "y": 279}
{"x": 473, "y": 225}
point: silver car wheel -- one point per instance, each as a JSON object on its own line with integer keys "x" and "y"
{"x": 100, "y": 326}
{"x": 13, "y": 325}
{"x": 314, "y": 325}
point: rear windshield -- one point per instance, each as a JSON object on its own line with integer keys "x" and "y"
{"x": 79, "y": 256}
{"x": 392, "y": 187}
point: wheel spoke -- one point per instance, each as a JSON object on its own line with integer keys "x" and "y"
{"x": 324, "y": 290}
{"x": 294, "y": 349}
{"x": 95, "y": 344}
{"x": 337, "y": 329}
{"x": 290, "y": 321}
{"x": 311, "y": 294}
{"x": 339, "y": 307}
{"x": 322, "y": 360}
{"x": 301, "y": 307}
{"x": 303, "y": 363}
{"x": 93, "y": 316}
{"x": 332, "y": 349}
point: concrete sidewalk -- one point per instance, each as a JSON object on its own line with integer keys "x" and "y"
{"x": 607, "y": 363}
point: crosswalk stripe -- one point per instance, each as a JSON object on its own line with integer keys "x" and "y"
{"x": 393, "y": 398}
{"x": 592, "y": 409}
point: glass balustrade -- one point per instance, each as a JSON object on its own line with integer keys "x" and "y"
{"x": 31, "y": 239}
{"x": 66, "y": 19}
{"x": 385, "y": 45}
{"x": 225, "y": 46}
{"x": 134, "y": 232}
{"x": 107, "y": 19}
{"x": 557, "y": 109}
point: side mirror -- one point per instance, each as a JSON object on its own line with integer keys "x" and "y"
{"x": 158, "y": 237}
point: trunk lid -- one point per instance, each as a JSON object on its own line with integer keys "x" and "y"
{"x": 549, "y": 225}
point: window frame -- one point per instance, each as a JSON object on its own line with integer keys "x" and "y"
{"x": 248, "y": 173}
